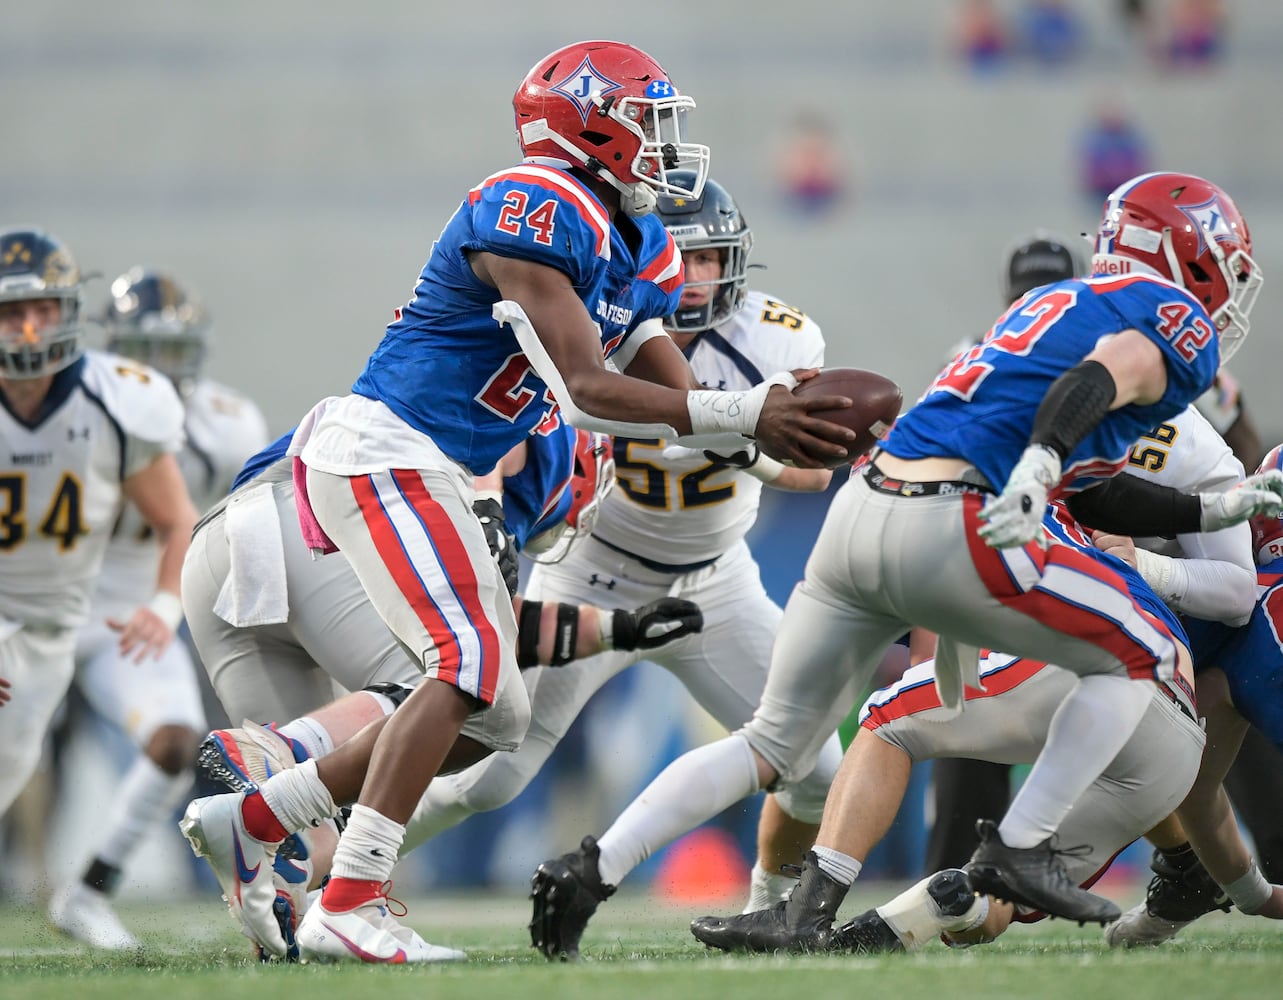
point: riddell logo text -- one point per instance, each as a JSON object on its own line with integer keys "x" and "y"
{"x": 1113, "y": 267}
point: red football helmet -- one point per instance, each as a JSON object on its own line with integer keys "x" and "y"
{"x": 1189, "y": 231}
{"x": 592, "y": 480}
{"x": 1267, "y": 532}
{"x": 610, "y": 108}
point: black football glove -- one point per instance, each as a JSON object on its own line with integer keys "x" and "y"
{"x": 490, "y": 513}
{"x": 657, "y": 624}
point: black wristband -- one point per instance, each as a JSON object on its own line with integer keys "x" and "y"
{"x": 1074, "y": 406}
{"x": 1129, "y": 505}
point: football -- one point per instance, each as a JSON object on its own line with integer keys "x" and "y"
{"x": 875, "y": 404}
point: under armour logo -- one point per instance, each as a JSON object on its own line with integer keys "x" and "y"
{"x": 595, "y": 580}
{"x": 73, "y": 433}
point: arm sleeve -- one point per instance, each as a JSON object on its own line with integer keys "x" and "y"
{"x": 1126, "y": 505}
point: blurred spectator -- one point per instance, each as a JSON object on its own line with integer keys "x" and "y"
{"x": 1051, "y": 32}
{"x": 811, "y": 169}
{"x": 981, "y": 37}
{"x": 1195, "y": 34}
{"x": 1111, "y": 150}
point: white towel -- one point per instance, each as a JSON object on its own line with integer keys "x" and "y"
{"x": 957, "y": 666}
{"x": 254, "y": 592}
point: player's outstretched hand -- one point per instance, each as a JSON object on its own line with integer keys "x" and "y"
{"x": 145, "y": 634}
{"x": 786, "y": 431}
{"x": 1014, "y": 516}
{"x": 1258, "y": 494}
{"x": 656, "y": 624}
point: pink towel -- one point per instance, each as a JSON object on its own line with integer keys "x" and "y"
{"x": 314, "y": 536}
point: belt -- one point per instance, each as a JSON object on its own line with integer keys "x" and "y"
{"x": 880, "y": 481}
{"x": 1178, "y": 702}
{"x": 658, "y": 567}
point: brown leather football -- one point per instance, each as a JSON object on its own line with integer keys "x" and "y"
{"x": 875, "y": 400}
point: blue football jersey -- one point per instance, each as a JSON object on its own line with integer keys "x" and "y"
{"x": 534, "y": 499}
{"x": 982, "y": 406}
{"x": 448, "y": 369}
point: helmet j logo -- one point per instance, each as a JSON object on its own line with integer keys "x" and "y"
{"x": 1209, "y": 221}
{"x": 582, "y": 83}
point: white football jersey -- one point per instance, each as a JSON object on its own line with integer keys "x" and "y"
{"x": 1186, "y": 453}
{"x": 224, "y": 430}
{"x": 705, "y": 506}
{"x": 60, "y": 481}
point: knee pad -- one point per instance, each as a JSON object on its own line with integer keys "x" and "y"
{"x": 394, "y": 693}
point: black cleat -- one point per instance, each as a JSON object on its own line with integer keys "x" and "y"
{"x": 566, "y": 891}
{"x": 1181, "y": 889}
{"x": 1180, "y": 892}
{"x": 802, "y": 923}
{"x": 1034, "y": 877}
{"x": 867, "y": 934}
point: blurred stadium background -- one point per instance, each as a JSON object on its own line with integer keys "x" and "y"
{"x": 292, "y": 161}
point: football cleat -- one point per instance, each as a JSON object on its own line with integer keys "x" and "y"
{"x": 233, "y": 760}
{"x": 867, "y": 934}
{"x": 1034, "y": 877}
{"x": 238, "y": 760}
{"x": 565, "y": 892}
{"x": 242, "y": 864}
{"x": 802, "y": 923}
{"x": 86, "y": 915}
{"x": 368, "y": 933}
{"x": 1180, "y": 892}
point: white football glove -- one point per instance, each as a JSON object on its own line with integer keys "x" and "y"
{"x": 1014, "y": 516}
{"x": 1258, "y": 494}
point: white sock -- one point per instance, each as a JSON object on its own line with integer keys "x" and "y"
{"x": 691, "y": 790}
{"x": 369, "y": 846}
{"x": 841, "y": 868}
{"x": 1090, "y": 727}
{"x": 147, "y": 796}
{"x": 315, "y": 737}
{"x": 765, "y": 889}
{"x": 297, "y": 797}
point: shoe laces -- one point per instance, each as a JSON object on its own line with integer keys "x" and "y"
{"x": 390, "y": 903}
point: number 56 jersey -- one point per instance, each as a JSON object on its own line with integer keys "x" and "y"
{"x": 104, "y": 419}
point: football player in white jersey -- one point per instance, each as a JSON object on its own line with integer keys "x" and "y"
{"x": 674, "y": 526}
{"x": 151, "y": 319}
{"x": 82, "y": 431}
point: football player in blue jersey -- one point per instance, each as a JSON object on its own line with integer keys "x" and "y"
{"x": 546, "y": 270}
{"x": 943, "y": 530}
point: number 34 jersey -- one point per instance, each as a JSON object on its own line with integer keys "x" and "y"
{"x": 706, "y": 506}
{"x": 105, "y": 418}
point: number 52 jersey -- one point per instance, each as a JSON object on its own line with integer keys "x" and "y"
{"x": 104, "y": 419}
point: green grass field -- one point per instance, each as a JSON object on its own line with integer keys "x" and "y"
{"x": 635, "y": 947}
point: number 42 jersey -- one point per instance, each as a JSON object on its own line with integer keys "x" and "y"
{"x": 982, "y": 406}
{"x": 104, "y": 419}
